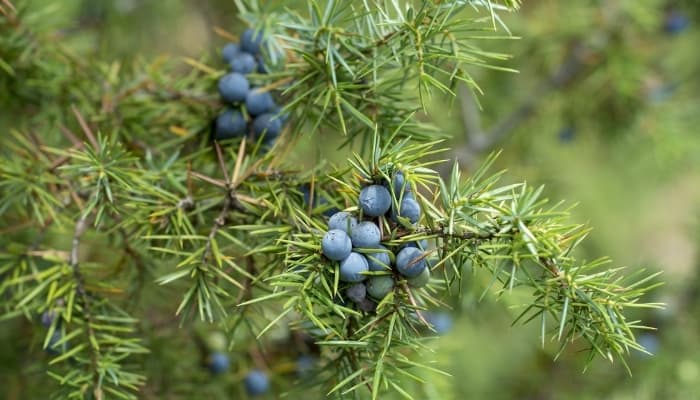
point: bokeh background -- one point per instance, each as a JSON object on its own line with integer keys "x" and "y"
{"x": 604, "y": 110}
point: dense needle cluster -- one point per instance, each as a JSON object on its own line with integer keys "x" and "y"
{"x": 251, "y": 111}
{"x": 370, "y": 268}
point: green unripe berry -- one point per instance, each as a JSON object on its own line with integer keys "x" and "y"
{"x": 379, "y": 286}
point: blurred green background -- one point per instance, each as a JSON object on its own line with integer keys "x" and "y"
{"x": 604, "y": 111}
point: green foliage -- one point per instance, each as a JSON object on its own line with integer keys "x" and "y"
{"x": 110, "y": 182}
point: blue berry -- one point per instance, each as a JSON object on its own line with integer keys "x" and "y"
{"x": 676, "y": 22}
{"x": 567, "y": 134}
{"x": 258, "y": 102}
{"x": 218, "y": 363}
{"x": 262, "y": 68}
{"x": 410, "y": 262}
{"x": 379, "y": 286}
{"x": 229, "y": 50}
{"x": 256, "y": 382}
{"x": 420, "y": 280}
{"x": 251, "y": 41}
{"x": 336, "y": 245}
{"x": 399, "y": 184}
{"x": 234, "y": 87}
{"x": 410, "y": 209}
{"x": 351, "y": 268}
{"x": 650, "y": 342}
{"x": 47, "y": 318}
{"x": 230, "y": 124}
{"x": 379, "y": 261}
{"x": 366, "y": 235}
{"x": 343, "y": 221}
{"x": 243, "y": 63}
{"x": 356, "y": 292}
{"x": 267, "y": 124}
{"x": 375, "y": 200}
{"x": 440, "y": 321}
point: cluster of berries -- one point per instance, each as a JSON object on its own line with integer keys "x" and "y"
{"x": 250, "y": 109}
{"x": 357, "y": 244}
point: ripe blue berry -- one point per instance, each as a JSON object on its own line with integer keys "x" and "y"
{"x": 47, "y": 318}
{"x": 440, "y": 321}
{"x": 229, "y": 50}
{"x": 251, "y": 41}
{"x": 267, "y": 124}
{"x": 218, "y": 363}
{"x": 379, "y": 261}
{"x": 256, "y": 382}
{"x": 234, "y": 87}
{"x": 230, "y": 124}
{"x": 258, "y": 102}
{"x": 420, "y": 280}
{"x": 375, "y": 200}
{"x": 243, "y": 63}
{"x": 399, "y": 184}
{"x": 379, "y": 286}
{"x": 262, "y": 68}
{"x": 351, "y": 268}
{"x": 410, "y": 209}
{"x": 343, "y": 221}
{"x": 410, "y": 262}
{"x": 336, "y": 245}
{"x": 366, "y": 235}
{"x": 675, "y": 22}
{"x": 356, "y": 292}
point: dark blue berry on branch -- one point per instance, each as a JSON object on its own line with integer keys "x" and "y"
{"x": 230, "y": 124}
{"x": 234, "y": 87}
{"x": 352, "y": 267}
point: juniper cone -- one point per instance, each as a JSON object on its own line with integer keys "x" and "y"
{"x": 218, "y": 363}
{"x": 336, "y": 245}
{"x": 257, "y": 383}
{"x": 356, "y": 292}
{"x": 243, "y": 63}
{"x": 399, "y": 184}
{"x": 230, "y": 124}
{"x": 410, "y": 262}
{"x": 375, "y": 200}
{"x": 366, "y": 235}
{"x": 216, "y": 342}
{"x": 259, "y": 102}
{"x": 234, "y": 87}
{"x": 410, "y": 209}
{"x": 251, "y": 41}
{"x": 352, "y": 268}
{"x": 379, "y": 286}
{"x": 342, "y": 220}
{"x": 229, "y": 51}
{"x": 267, "y": 124}
{"x": 379, "y": 261}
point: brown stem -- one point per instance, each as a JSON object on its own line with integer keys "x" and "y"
{"x": 80, "y": 228}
